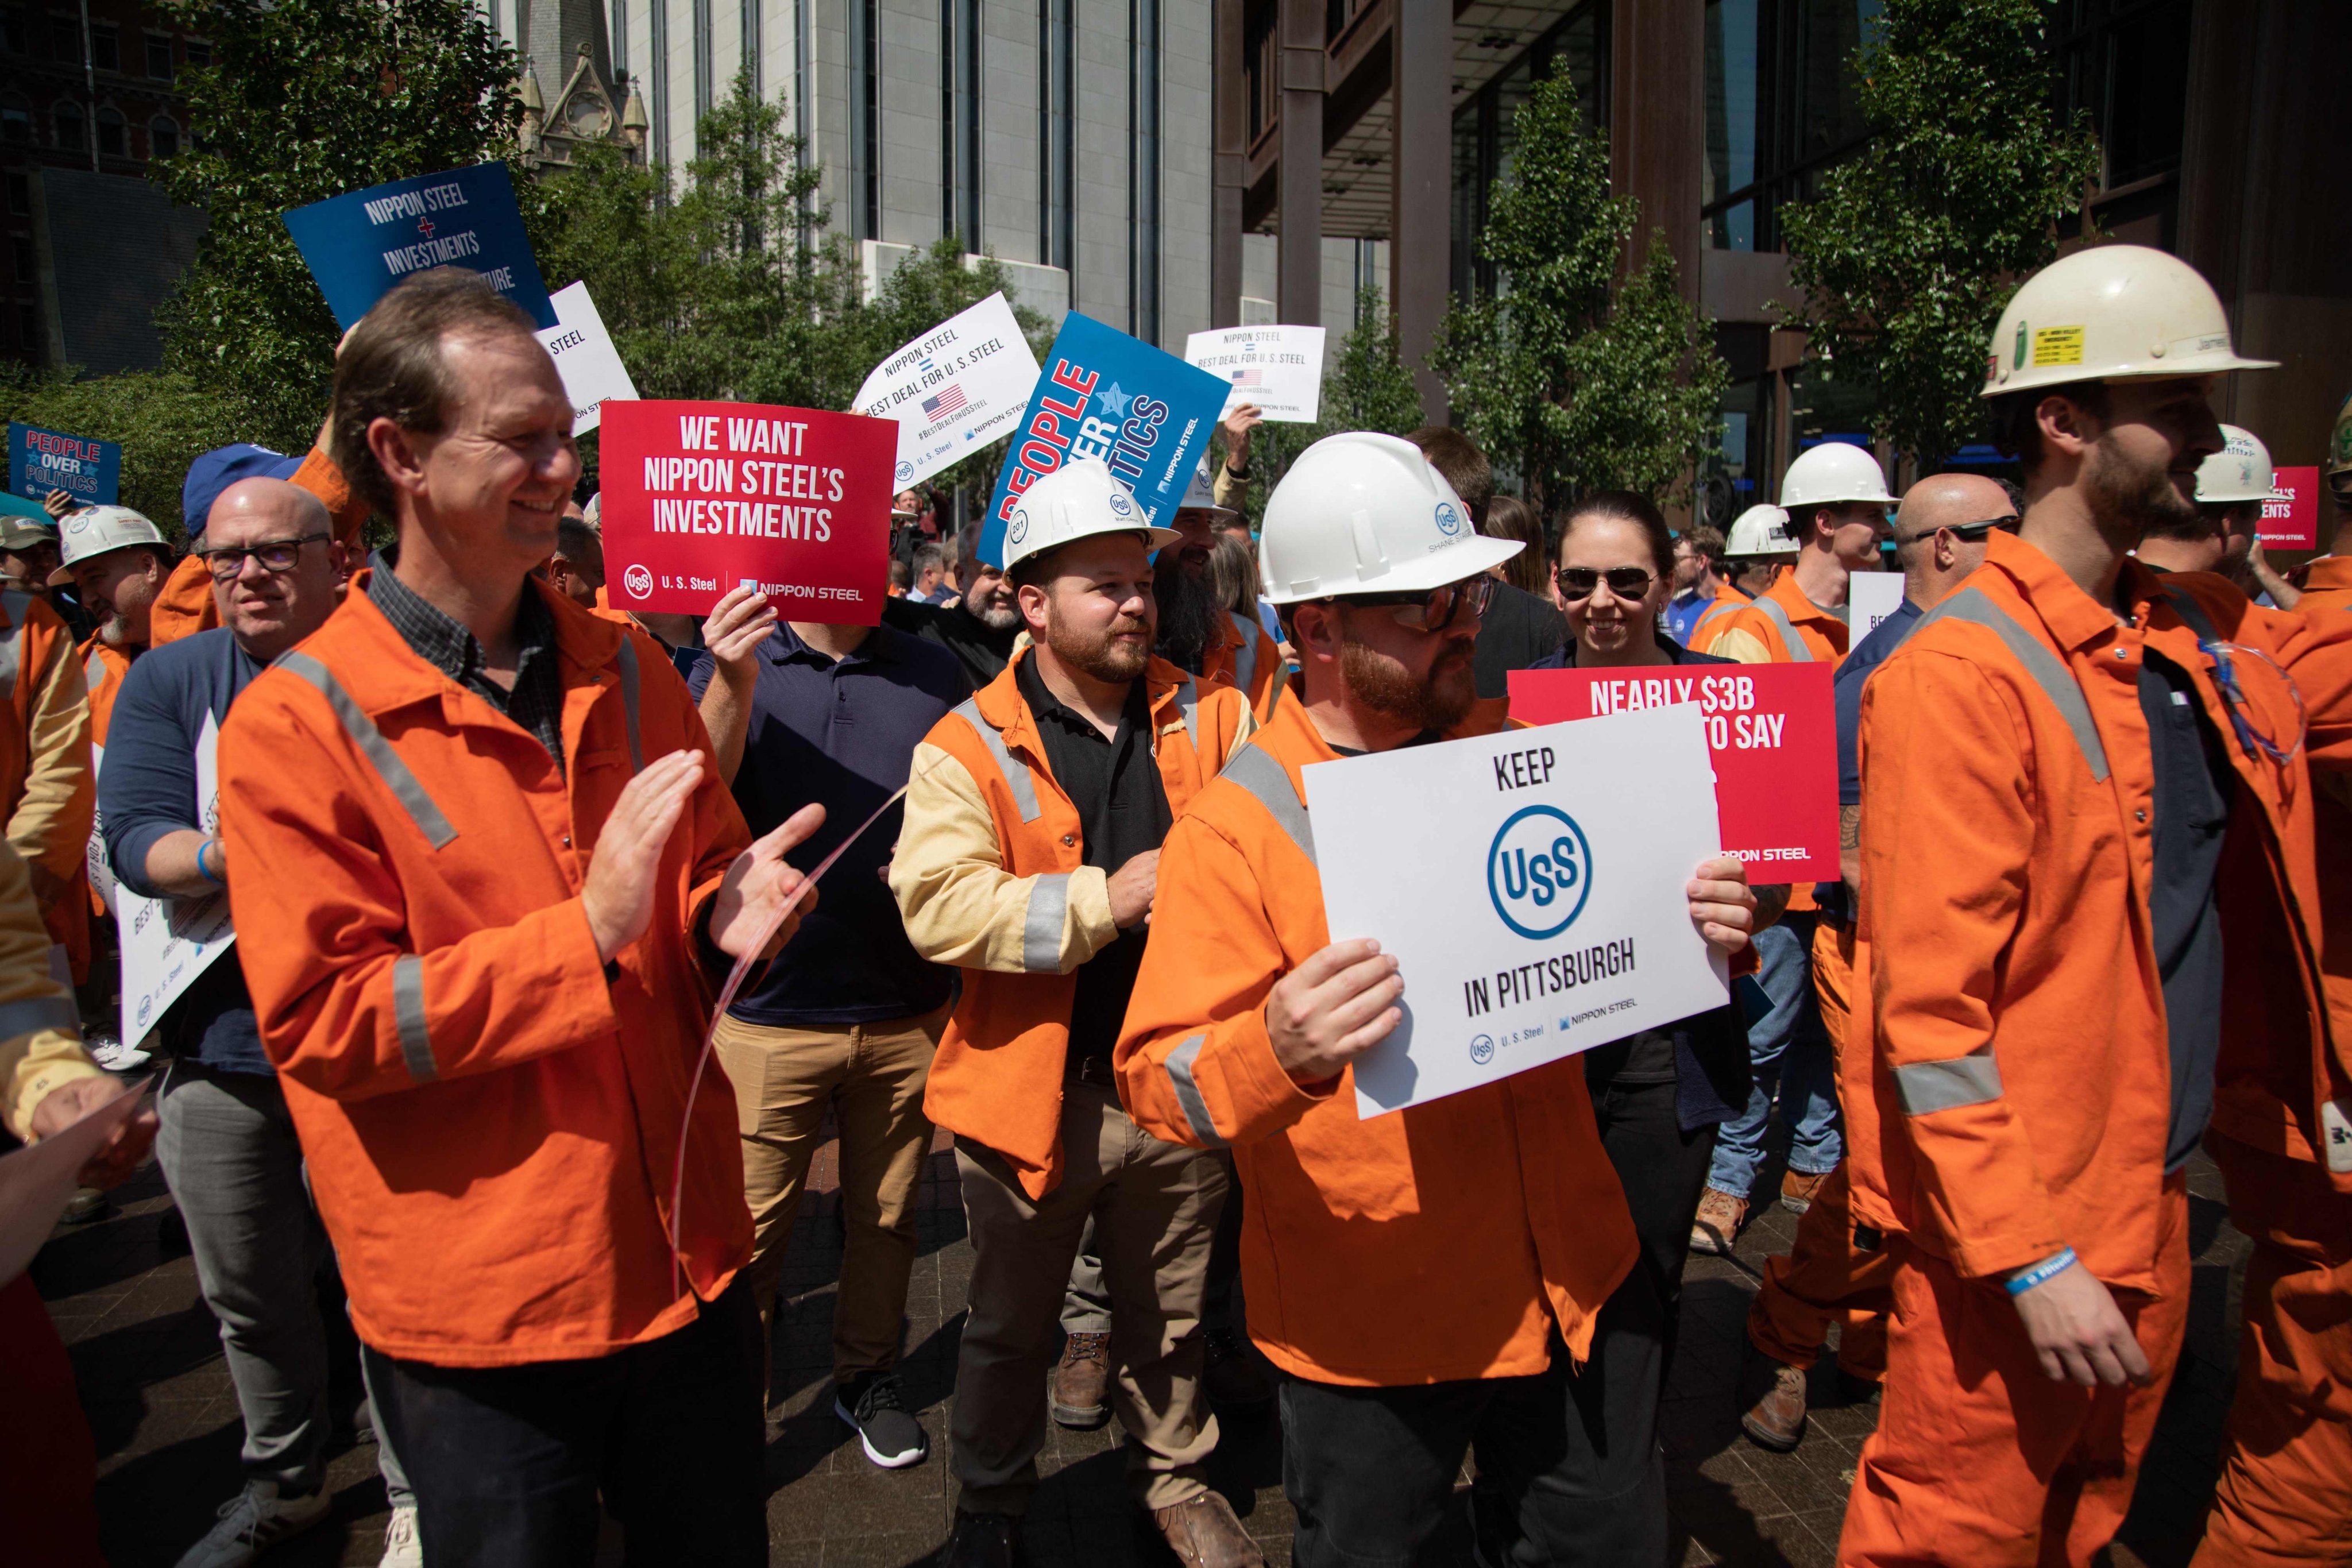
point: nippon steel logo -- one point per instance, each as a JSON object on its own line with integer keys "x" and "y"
{"x": 639, "y": 580}
{"x": 1539, "y": 871}
{"x": 1449, "y": 519}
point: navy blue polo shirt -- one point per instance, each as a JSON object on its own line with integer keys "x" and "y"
{"x": 1868, "y": 654}
{"x": 843, "y": 733}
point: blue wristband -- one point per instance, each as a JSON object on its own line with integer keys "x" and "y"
{"x": 2040, "y": 1273}
{"x": 212, "y": 877}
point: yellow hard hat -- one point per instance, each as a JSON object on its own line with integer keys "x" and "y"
{"x": 2112, "y": 313}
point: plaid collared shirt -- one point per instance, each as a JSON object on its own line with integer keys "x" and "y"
{"x": 536, "y": 703}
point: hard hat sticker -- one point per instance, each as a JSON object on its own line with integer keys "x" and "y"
{"x": 2057, "y": 345}
{"x": 2020, "y": 347}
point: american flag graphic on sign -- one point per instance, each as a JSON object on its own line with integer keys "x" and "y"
{"x": 949, "y": 400}
{"x": 1249, "y": 378}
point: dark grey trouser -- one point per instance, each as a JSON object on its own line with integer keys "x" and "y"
{"x": 228, "y": 1149}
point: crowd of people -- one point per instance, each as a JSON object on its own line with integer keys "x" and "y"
{"x": 496, "y": 852}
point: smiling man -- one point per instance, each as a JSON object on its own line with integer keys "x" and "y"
{"x": 486, "y": 881}
{"x": 2089, "y": 910}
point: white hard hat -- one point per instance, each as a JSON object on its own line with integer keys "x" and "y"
{"x": 95, "y": 531}
{"x": 1075, "y": 501}
{"x": 1202, "y": 494}
{"x": 1362, "y": 513}
{"x": 2110, "y": 313}
{"x": 1760, "y": 531}
{"x": 1833, "y": 472}
{"x": 2240, "y": 472}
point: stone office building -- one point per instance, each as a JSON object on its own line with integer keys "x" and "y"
{"x": 1382, "y": 124}
{"x": 1069, "y": 138}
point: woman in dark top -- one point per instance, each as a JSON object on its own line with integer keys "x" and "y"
{"x": 1658, "y": 1095}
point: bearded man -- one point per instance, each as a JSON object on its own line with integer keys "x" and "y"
{"x": 1029, "y": 858}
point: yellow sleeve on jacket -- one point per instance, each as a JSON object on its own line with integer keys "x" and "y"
{"x": 1740, "y": 646}
{"x": 50, "y": 824}
{"x": 1228, "y": 489}
{"x": 961, "y": 906}
{"x": 40, "y": 1032}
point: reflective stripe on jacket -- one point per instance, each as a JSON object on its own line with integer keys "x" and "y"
{"x": 491, "y": 1115}
{"x": 1247, "y": 660}
{"x": 2022, "y": 1073}
{"x": 1440, "y": 1242}
{"x": 990, "y": 875}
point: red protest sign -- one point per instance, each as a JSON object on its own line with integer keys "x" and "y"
{"x": 700, "y": 497}
{"x": 2294, "y": 524}
{"x": 1772, "y": 729}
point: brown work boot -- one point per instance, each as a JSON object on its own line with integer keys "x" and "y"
{"x": 1772, "y": 1402}
{"x": 1720, "y": 1217}
{"x": 1799, "y": 1188}
{"x": 1204, "y": 1533}
{"x": 1080, "y": 1386}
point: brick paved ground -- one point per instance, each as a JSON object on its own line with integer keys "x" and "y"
{"x": 166, "y": 1422}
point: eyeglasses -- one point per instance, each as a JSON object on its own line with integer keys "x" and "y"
{"x": 1969, "y": 532}
{"x": 1625, "y": 582}
{"x": 277, "y": 556}
{"x": 1433, "y": 609}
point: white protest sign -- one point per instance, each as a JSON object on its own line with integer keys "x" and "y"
{"x": 1530, "y": 885}
{"x": 584, "y": 357}
{"x": 1280, "y": 369}
{"x": 953, "y": 390}
{"x": 102, "y": 870}
{"x": 167, "y": 943}
{"x": 1871, "y": 597}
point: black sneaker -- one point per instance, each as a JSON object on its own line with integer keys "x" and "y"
{"x": 870, "y": 1402}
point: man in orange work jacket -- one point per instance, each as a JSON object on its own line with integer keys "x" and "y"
{"x": 1028, "y": 859}
{"x": 486, "y": 881}
{"x": 2087, "y": 895}
{"x": 1428, "y": 1278}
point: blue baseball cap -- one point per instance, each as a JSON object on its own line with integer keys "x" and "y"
{"x": 221, "y": 467}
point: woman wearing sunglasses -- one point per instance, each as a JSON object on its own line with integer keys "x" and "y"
{"x": 1659, "y": 1095}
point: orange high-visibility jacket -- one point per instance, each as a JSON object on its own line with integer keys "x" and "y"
{"x": 2022, "y": 1077}
{"x": 990, "y": 874}
{"x": 45, "y": 785}
{"x": 491, "y": 1115}
{"x": 103, "y": 666}
{"x": 185, "y": 605}
{"x": 1440, "y": 1242}
{"x": 2328, "y": 585}
{"x": 1727, "y": 601}
{"x": 1779, "y": 626}
{"x": 1246, "y": 659}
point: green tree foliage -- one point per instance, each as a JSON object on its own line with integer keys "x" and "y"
{"x": 163, "y": 419}
{"x": 1366, "y": 386}
{"x": 309, "y": 98}
{"x": 1568, "y": 378}
{"x": 1905, "y": 258}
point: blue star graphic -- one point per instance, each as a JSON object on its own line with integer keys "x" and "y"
{"x": 1115, "y": 402}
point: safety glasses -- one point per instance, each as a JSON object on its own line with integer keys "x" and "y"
{"x": 1625, "y": 582}
{"x": 277, "y": 556}
{"x": 1433, "y": 609}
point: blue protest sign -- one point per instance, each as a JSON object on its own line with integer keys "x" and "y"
{"x": 42, "y": 461}
{"x": 1104, "y": 394}
{"x": 359, "y": 244}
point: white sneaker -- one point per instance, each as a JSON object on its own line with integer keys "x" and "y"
{"x": 253, "y": 1521}
{"x": 401, "y": 1547}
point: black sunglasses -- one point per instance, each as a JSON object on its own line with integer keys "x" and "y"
{"x": 1625, "y": 582}
{"x": 1972, "y": 532}
{"x": 1433, "y": 609}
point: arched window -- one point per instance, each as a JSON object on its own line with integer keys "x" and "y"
{"x": 163, "y": 138}
{"x": 113, "y": 133}
{"x": 68, "y": 118}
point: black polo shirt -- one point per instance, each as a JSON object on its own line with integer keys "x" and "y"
{"x": 1122, "y": 813}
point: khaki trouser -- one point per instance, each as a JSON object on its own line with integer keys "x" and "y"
{"x": 872, "y": 1076}
{"x": 1155, "y": 1207}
